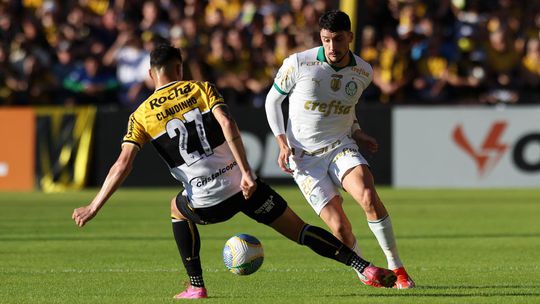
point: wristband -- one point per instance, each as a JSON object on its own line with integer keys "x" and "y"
{"x": 355, "y": 126}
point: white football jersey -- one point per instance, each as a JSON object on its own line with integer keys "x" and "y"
{"x": 322, "y": 98}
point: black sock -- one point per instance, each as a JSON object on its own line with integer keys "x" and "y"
{"x": 188, "y": 242}
{"x": 327, "y": 245}
{"x": 196, "y": 281}
{"x": 358, "y": 263}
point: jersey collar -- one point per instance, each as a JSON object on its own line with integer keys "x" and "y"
{"x": 165, "y": 85}
{"x": 322, "y": 58}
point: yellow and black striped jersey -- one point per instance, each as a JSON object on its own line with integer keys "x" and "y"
{"x": 177, "y": 119}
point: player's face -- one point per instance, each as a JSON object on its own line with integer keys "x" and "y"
{"x": 336, "y": 46}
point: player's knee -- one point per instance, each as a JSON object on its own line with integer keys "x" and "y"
{"x": 173, "y": 205}
{"x": 336, "y": 200}
{"x": 175, "y": 213}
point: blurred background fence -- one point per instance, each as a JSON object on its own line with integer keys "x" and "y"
{"x": 56, "y": 149}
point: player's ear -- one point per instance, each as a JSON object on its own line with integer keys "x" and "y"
{"x": 151, "y": 74}
{"x": 351, "y": 37}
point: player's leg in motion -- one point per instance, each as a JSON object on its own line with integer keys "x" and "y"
{"x": 359, "y": 183}
{"x": 336, "y": 219}
{"x": 188, "y": 242}
{"x": 327, "y": 245}
{"x": 334, "y": 216}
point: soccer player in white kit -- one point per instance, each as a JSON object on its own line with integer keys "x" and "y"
{"x": 320, "y": 147}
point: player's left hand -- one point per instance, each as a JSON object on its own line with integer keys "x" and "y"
{"x": 366, "y": 142}
{"x": 83, "y": 214}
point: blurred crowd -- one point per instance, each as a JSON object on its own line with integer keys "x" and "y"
{"x": 58, "y": 52}
{"x": 453, "y": 51}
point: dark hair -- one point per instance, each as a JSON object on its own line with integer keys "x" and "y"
{"x": 164, "y": 54}
{"x": 335, "y": 21}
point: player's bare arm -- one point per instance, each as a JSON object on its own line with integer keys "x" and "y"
{"x": 275, "y": 118}
{"x": 365, "y": 141}
{"x": 234, "y": 140}
{"x": 117, "y": 174}
{"x": 362, "y": 139}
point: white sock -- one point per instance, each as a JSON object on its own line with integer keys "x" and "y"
{"x": 382, "y": 229}
{"x": 356, "y": 249}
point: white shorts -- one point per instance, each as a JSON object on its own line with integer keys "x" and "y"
{"x": 319, "y": 176}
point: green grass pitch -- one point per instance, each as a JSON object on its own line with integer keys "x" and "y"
{"x": 460, "y": 246}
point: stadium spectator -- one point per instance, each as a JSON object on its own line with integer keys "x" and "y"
{"x": 195, "y": 45}
{"x": 7, "y": 26}
{"x": 433, "y": 68}
{"x": 391, "y": 70}
{"x": 41, "y": 83}
{"x": 151, "y": 19}
{"x": 530, "y": 71}
{"x": 260, "y": 76}
{"x": 502, "y": 68}
{"x": 11, "y": 86}
{"x": 108, "y": 28}
{"x": 283, "y": 45}
{"x": 91, "y": 83}
{"x": 466, "y": 76}
{"x": 61, "y": 68}
{"x": 131, "y": 60}
{"x": 369, "y": 50}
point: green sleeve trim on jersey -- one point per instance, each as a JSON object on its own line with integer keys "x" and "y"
{"x": 279, "y": 90}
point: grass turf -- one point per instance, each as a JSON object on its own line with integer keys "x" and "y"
{"x": 460, "y": 246}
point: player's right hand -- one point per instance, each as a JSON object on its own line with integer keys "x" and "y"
{"x": 82, "y": 215}
{"x": 284, "y": 154}
{"x": 283, "y": 159}
{"x": 248, "y": 185}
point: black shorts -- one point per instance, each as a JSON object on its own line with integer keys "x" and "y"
{"x": 264, "y": 206}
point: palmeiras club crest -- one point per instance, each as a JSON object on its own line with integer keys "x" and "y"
{"x": 351, "y": 88}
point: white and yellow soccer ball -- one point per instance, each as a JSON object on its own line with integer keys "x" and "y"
{"x": 243, "y": 254}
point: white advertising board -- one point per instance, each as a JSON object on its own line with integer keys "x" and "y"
{"x": 466, "y": 146}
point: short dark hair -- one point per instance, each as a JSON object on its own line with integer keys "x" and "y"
{"x": 335, "y": 21}
{"x": 164, "y": 54}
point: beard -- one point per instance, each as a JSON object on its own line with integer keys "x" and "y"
{"x": 338, "y": 59}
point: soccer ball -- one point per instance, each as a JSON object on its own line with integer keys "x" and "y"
{"x": 243, "y": 254}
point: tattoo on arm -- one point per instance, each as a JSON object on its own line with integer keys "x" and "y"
{"x": 234, "y": 138}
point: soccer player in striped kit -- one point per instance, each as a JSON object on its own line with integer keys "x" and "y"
{"x": 320, "y": 147}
